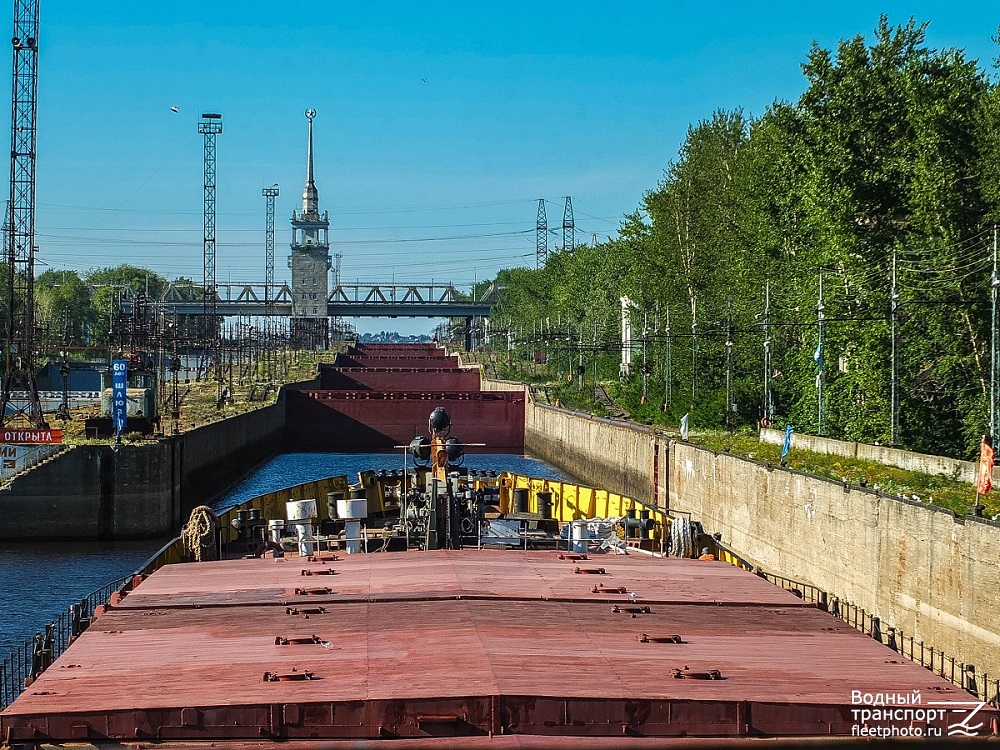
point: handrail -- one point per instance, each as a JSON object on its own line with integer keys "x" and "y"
{"x": 23, "y": 665}
{"x": 965, "y": 676}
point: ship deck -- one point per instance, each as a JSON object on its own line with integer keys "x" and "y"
{"x": 481, "y": 645}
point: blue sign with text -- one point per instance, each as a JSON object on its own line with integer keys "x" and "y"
{"x": 119, "y": 394}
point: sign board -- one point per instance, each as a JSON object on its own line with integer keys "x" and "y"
{"x": 16, "y": 458}
{"x": 30, "y": 437}
{"x": 119, "y": 394}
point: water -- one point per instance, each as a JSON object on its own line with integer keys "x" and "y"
{"x": 38, "y": 580}
{"x": 296, "y": 468}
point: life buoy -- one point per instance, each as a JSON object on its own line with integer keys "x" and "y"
{"x": 765, "y": 423}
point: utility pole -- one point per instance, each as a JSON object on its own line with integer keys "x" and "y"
{"x": 894, "y": 429}
{"x": 270, "y": 194}
{"x": 667, "y": 367}
{"x": 694, "y": 351}
{"x": 19, "y": 235}
{"x": 569, "y": 348}
{"x": 768, "y": 397}
{"x": 541, "y": 236}
{"x": 579, "y": 363}
{"x": 729, "y": 363}
{"x": 818, "y": 356}
{"x": 568, "y": 226}
{"x": 645, "y": 365}
{"x": 995, "y": 349}
{"x": 338, "y": 322}
{"x": 595, "y": 354}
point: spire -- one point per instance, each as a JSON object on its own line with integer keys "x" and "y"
{"x": 310, "y": 196}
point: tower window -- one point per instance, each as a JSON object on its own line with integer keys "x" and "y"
{"x": 314, "y": 281}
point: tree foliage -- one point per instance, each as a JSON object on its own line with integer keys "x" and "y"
{"x": 888, "y": 160}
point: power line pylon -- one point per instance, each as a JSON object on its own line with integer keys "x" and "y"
{"x": 541, "y": 236}
{"x": 270, "y": 193}
{"x": 337, "y": 322}
{"x": 210, "y": 126}
{"x": 19, "y": 357}
{"x": 569, "y": 226}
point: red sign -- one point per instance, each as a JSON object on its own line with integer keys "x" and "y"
{"x": 33, "y": 437}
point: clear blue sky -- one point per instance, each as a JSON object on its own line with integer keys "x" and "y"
{"x": 439, "y": 127}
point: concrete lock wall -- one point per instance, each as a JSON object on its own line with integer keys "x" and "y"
{"x": 504, "y": 385}
{"x": 921, "y": 569}
{"x": 614, "y": 455}
{"x": 96, "y": 492}
{"x": 220, "y": 454}
{"x": 964, "y": 471}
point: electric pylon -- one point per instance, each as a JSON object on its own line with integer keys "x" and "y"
{"x": 19, "y": 357}
{"x": 270, "y": 193}
{"x": 569, "y": 226}
{"x": 541, "y": 236}
{"x": 210, "y": 126}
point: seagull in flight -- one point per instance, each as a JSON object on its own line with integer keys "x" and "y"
{"x": 175, "y": 109}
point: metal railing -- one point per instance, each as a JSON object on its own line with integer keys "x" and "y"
{"x": 980, "y": 684}
{"x": 35, "y": 655}
{"x": 30, "y": 459}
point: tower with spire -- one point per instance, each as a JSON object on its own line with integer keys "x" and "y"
{"x": 310, "y": 262}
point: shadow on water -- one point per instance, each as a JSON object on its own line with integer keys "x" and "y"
{"x": 37, "y": 580}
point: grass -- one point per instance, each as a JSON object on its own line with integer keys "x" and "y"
{"x": 941, "y": 490}
{"x": 934, "y": 489}
{"x": 198, "y": 405}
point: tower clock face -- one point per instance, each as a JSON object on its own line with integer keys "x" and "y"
{"x": 310, "y": 114}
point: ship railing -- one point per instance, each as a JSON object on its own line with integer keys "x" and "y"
{"x": 964, "y": 675}
{"x": 23, "y": 665}
{"x": 980, "y": 684}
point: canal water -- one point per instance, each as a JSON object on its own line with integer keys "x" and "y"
{"x": 38, "y": 580}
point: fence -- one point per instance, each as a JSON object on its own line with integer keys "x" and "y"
{"x": 16, "y": 459}
{"x": 34, "y": 656}
{"x": 965, "y": 676}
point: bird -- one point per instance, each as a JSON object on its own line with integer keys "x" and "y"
{"x": 424, "y": 80}
{"x": 175, "y": 109}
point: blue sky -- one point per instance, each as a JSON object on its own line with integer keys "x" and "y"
{"x": 439, "y": 127}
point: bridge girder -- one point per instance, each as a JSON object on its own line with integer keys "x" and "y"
{"x": 345, "y": 300}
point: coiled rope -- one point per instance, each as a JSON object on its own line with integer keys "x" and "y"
{"x": 198, "y": 534}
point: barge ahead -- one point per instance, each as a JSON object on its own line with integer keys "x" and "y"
{"x": 469, "y": 648}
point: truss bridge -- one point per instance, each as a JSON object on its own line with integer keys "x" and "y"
{"x": 344, "y": 300}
